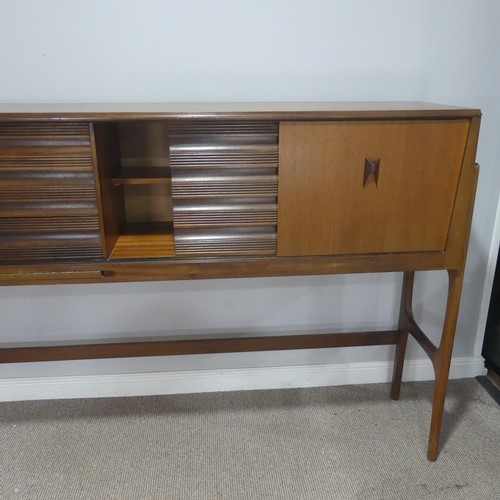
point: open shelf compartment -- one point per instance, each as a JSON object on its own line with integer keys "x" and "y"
{"x": 135, "y": 184}
{"x": 194, "y": 188}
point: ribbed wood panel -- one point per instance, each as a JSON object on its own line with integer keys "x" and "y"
{"x": 21, "y": 225}
{"x": 214, "y": 183}
{"x": 23, "y": 209}
{"x": 51, "y": 193}
{"x": 48, "y": 204}
{"x": 251, "y": 241}
{"x": 228, "y": 156}
{"x": 48, "y": 133}
{"x": 38, "y": 249}
{"x": 34, "y": 200}
{"x": 224, "y": 187}
{"x": 220, "y": 128}
{"x": 36, "y": 160}
{"x": 243, "y": 212}
{"x": 44, "y": 177}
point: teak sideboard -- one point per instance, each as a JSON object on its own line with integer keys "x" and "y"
{"x": 108, "y": 193}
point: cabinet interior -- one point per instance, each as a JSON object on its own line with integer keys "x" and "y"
{"x": 190, "y": 188}
{"x": 133, "y": 159}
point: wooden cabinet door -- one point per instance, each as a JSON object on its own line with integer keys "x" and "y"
{"x": 48, "y": 202}
{"x": 332, "y": 200}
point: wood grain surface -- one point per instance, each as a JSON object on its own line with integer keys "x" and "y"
{"x": 325, "y": 206}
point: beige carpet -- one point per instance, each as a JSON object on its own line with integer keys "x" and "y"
{"x": 329, "y": 443}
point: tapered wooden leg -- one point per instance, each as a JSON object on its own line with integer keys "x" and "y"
{"x": 442, "y": 361}
{"x": 399, "y": 360}
{"x": 404, "y": 312}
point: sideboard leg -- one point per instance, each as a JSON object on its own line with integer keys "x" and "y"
{"x": 442, "y": 361}
{"x": 405, "y": 311}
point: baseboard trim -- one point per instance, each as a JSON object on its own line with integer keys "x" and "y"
{"x": 183, "y": 382}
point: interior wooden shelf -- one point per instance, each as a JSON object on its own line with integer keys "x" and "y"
{"x": 142, "y": 175}
{"x": 145, "y": 241}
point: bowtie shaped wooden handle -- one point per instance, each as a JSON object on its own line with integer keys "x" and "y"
{"x": 372, "y": 168}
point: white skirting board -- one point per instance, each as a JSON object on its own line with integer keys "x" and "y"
{"x": 184, "y": 382}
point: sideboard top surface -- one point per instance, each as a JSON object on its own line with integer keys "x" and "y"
{"x": 231, "y": 110}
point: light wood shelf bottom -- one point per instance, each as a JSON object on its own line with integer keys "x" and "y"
{"x": 145, "y": 242}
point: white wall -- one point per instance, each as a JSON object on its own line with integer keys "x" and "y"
{"x": 150, "y": 51}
